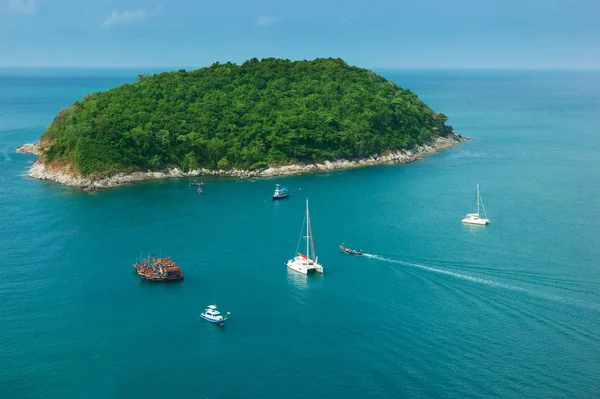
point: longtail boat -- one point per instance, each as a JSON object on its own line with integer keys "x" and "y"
{"x": 158, "y": 269}
{"x": 350, "y": 251}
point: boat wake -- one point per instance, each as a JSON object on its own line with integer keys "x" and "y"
{"x": 5, "y": 154}
{"x": 479, "y": 280}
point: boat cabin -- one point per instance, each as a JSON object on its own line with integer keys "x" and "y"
{"x": 170, "y": 271}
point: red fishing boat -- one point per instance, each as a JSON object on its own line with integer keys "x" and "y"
{"x": 158, "y": 269}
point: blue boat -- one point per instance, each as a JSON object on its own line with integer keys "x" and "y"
{"x": 280, "y": 192}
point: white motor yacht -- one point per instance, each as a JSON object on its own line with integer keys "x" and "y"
{"x": 212, "y": 315}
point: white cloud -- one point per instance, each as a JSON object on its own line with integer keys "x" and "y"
{"x": 129, "y": 16}
{"x": 28, "y": 7}
{"x": 268, "y": 20}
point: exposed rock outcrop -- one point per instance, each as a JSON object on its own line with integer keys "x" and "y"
{"x": 33, "y": 149}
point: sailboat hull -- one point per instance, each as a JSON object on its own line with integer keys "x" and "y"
{"x": 304, "y": 266}
{"x": 476, "y": 221}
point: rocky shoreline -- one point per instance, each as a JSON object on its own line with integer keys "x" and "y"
{"x": 33, "y": 149}
{"x": 40, "y": 171}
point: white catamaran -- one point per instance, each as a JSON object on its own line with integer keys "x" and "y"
{"x": 305, "y": 263}
{"x": 474, "y": 218}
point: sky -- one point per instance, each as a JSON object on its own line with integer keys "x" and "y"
{"x": 520, "y": 34}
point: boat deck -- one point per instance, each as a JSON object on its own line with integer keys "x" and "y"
{"x": 303, "y": 265}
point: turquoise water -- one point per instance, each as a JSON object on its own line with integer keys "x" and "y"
{"x": 437, "y": 309}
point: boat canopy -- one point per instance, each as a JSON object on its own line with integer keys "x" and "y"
{"x": 211, "y": 307}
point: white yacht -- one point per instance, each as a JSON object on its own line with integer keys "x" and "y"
{"x": 306, "y": 263}
{"x": 213, "y": 315}
{"x": 475, "y": 218}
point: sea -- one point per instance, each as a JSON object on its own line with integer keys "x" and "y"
{"x": 434, "y": 309}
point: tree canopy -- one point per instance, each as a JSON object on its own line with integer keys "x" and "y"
{"x": 267, "y": 112}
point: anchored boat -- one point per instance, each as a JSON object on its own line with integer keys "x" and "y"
{"x": 350, "y": 251}
{"x": 212, "y": 315}
{"x": 158, "y": 269}
{"x": 280, "y": 192}
{"x": 197, "y": 183}
{"x": 475, "y": 218}
{"x": 305, "y": 263}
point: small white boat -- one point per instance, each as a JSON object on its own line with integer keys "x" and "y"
{"x": 475, "y": 218}
{"x": 212, "y": 315}
{"x": 305, "y": 263}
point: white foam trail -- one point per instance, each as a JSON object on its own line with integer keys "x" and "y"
{"x": 491, "y": 283}
{"x": 6, "y": 155}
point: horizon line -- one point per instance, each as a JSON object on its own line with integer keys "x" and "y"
{"x": 172, "y": 67}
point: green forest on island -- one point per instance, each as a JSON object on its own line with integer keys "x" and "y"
{"x": 258, "y": 114}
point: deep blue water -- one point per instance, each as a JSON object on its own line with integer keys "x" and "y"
{"x": 440, "y": 309}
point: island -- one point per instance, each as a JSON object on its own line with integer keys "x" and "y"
{"x": 261, "y": 118}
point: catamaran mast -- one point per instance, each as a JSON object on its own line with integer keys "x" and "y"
{"x": 477, "y": 199}
{"x": 312, "y": 246}
{"x": 307, "y": 230}
{"x": 482, "y": 207}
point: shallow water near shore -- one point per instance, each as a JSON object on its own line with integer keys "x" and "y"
{"x": 435, "y": 308}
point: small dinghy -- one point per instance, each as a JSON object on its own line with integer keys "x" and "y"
{"x": 212, "y": 315}
{"x": 350, "y": 251}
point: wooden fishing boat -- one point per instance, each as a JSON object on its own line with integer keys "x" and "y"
{"x": 350, "y": 251}
{"x": 197, "y": 183}
{"x": 158, "y": 269}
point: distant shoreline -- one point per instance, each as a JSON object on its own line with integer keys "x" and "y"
{"x": 41, "y": 171}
